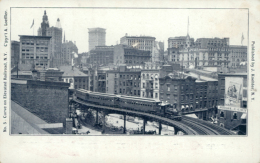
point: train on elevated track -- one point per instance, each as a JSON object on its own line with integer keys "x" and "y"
{"x": 147, "y": 105}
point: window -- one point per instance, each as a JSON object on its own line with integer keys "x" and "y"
{"x": 234, "y": 115}
{"x": 143, "y": 85}
{"x": 76, "y": 86}
{"x": 175, "y": 87}
{"x": 138, "y": 92}
{"x": 168, "y": 88}
{"x": 222, "y": 115}
{"x": 168, "y": 97}
{"x": 156, "y": 95}
{"x": 143, "y": 93}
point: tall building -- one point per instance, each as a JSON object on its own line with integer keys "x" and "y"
{"x": 145, "y": 43}
{"x": 56, "y": 42}
{"x": 96, "y": 37}
{"x": 34, "y": 50}
{"x": 15, "y": 52}
{"x": 42, "y": 31}
{"x": 67, "y": 50}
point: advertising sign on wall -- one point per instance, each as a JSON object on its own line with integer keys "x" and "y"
{"x": 233, "y": 91}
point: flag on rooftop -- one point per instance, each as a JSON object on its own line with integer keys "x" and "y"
{"x": 32, "y": 23}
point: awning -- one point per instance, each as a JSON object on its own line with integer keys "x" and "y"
{"x": 243, "y": 116}
{"x": 182, "y": 107}
{"x": 187, "y": 106}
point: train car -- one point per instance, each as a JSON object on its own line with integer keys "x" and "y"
{"x": 147, "y": 105}
{"x": 139, "y": 104}
{"x": 82, "y": 94}
{"x": 103, "y": 98}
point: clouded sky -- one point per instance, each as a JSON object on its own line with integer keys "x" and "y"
{"x": 159, "y": 23}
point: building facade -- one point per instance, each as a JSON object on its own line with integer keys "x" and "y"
{"x": 180, "y": 42}
{"x": 238, "y": 56}
{"x": 76, "y": 78}
{"x": 56, "y": 43}
{"x": 150, "y": 83}
{"x": 180, "y": 92}
{"x": 130, "y": 56}
{"x": 96, "y": 37}
{"x": 203, "y": 52}
{"x": 123, "y": 82}
{"x": 102, "y": 55}
{"x": 145, "y": 43}
{"x": 232, "y": 105}
{"x": 67, "y": 50}
{"x": 34, "y": 50}
{"x": 15, "y": 53}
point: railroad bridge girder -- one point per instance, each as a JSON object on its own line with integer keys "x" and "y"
{"x": 145, "y": 116}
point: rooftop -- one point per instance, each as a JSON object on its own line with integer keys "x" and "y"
{"x": 35, "y": 36}
{"x": 72, "y": 72}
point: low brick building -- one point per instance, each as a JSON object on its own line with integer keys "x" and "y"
{"x": 47, "y": 100}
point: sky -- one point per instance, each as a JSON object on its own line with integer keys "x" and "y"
{"x": 159, "y": 23}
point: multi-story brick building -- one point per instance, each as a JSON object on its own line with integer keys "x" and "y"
{"x": 96, "y": 37}
{"x": 76, "y": 78}
{"x": 34, "y": 50}
{"x": 102, "y": 55}
{"x": 238, "y": 55}
{"x": 146, "y": 43}
{"x": 130, "y": 56}
{"x": 180, "y": 92}
{"x": 232, "y": 105}
{"x": 48, "y": 100}
{"x": 190, "y": 93}
{"x": 150, "y": 78}
{"x": 123, "y": 81}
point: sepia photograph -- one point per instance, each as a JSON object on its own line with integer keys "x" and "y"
{"x": 129, "y": 71}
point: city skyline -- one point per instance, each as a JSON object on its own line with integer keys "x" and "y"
{"x": 158, "y": 23}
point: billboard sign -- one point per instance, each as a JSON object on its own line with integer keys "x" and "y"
{"x": 233, "y": 91}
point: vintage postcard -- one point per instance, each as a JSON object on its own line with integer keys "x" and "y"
{"x": 104, "y": 81}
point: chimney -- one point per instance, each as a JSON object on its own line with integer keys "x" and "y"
{"x": 42, "y": 75}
